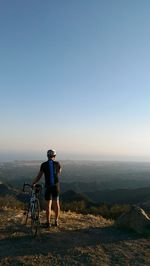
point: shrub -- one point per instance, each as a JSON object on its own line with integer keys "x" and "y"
{"x": 117, "y": 209}
{"x": 104, "y": 209}
{"x": 10, "y": 202}
{"x": 76, "y": 206}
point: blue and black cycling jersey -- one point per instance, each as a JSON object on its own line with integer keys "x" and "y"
{"x": 50, "y": 169}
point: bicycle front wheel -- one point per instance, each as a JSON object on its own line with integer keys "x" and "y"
{"x": 26, "y": 213}
{"x": 35, "y": 219}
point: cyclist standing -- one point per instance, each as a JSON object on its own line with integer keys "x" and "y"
{"x": 51, "y": 170}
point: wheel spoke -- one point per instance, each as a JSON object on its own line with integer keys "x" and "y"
{"x": 35, "y": 222}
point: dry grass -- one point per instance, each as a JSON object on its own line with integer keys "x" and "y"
{"x": 10, "y": 201}
{"x": 79, "y": 240}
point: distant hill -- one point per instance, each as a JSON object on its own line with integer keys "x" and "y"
{"x": 79, "y": 187}
{"x": 82, "y": 176}
{"x": 71, "y": 196}
{"x": 121, "y": 196}
{"x": 5, "y": 189}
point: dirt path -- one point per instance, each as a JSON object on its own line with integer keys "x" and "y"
{"x": 79, "y": 240}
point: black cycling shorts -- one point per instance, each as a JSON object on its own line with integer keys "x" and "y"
{"x": 52, "y": 193}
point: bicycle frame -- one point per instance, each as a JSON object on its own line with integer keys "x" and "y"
{"x": 33, "y": 206}
{"x": 32, "y": 201}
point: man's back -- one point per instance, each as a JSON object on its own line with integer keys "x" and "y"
{"x": 51, "y": 170}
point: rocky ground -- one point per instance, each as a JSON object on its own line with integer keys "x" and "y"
{"x": 79, "y": 240}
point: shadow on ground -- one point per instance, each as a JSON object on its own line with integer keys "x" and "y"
{"x": 17, "y": 241}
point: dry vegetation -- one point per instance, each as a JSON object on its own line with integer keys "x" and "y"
{"x": 79, "y": 240}
{"x": 10, "y": 201}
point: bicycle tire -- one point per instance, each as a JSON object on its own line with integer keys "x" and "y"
{"x": 26, "y": 213}
{"x": 35, "y": 220}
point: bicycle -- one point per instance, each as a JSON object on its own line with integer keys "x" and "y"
{"x": 32, "y": 206}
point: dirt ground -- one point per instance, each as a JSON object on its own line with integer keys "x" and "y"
{"x": 79, "y": 240}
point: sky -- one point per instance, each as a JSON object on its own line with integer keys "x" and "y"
{"x": 74, "y": 76}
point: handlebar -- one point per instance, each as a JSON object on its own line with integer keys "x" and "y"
{"x": 37, "y": 188}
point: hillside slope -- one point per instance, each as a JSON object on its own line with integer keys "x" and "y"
{"x": 121, "y": 196}
{"x": 79, "y": 240}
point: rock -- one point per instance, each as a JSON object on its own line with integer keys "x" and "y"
{"x": 135, "y": 219}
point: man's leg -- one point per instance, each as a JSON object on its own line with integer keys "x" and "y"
{"x": 48, "y": 210}
{"x": 56, "y": 206}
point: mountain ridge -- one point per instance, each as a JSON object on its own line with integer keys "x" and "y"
{"x": 139, "y": 196}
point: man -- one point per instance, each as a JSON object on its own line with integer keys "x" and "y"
{"x": 51, "y": 170}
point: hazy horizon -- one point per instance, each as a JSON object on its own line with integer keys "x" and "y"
{"x": 41, "y": 156}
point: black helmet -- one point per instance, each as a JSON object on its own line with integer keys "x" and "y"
{"x": 51, "y": 153}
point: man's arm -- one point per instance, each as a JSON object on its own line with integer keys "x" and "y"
{"x": 59, "y": 171}
{"x": 38, "y": 177}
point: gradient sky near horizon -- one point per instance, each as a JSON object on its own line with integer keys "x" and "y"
{"x": 75, "y": 76}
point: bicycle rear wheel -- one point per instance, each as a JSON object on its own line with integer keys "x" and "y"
{"x": 35, "y": 219}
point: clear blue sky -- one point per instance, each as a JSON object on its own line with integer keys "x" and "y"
{"x": 74, "y": 76}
